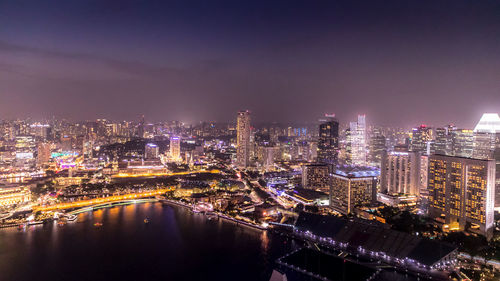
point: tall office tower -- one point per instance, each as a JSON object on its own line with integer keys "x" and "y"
{"x": 423, "y": 176}
{"x": 377, "y": 149}
{"x": 243, "y": 139}
{"x": 267, "y": 155}
{"x": 462, "y": 142}
{"x": 140, "y": 127}
{"x": 151, "y": 151}
{"x": 175, "y": 148}
{"x": 43, "y": 154}
{"x": 316, "y": 176}
{"x": 442, "y": 142}
{"x": 420, "y": 139}
{"x": 358, "y": 141}
{"x": 352, "y": 187}
{"x": 400, "y": 173}
{"x": 328, "y": 142}
{"x": 487, "y": 145}
{"x": 462, "y": 191}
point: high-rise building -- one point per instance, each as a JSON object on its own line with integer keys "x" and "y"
{"x": 420, "y": 139}
{"x": 243, "y": 139}
{"x": 175, "y": 148}
{"x": 43, "y": 154}
{"x": 400, "y": 173}
{"x": 358, "y": 141}
{"x": 462, "y": 141}
{"x": 352, "y": 187}
{"x": 316, "y": 176}
{"x": 487, "y": 145}
{"x": 442, "y": 142}
{"x": 328, "y": 142}
{"x": 461, "y": 190}
{"x": 377, "y": 149}
{"x": 151, "y": 151}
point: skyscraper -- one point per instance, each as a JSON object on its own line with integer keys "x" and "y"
{"x": 43, "y": 154}
{"x": 175, "y": 148}
{"x": 462, "y": 191}
{"x": 328, "y": 142}
{"x": 442, "y": 142}
{"x": 462, "y": 141}
{"x": 151, "y": 151}
{"x": 352, "y": 187}
{"x": 487, "y": 145}
{"x": 400, "y": 173}
{"x": 243, "y": 139}
{"x": 358, "y": 141}
{"x": 378, "y": 146}
{"x": 316, "y": 176}
{"x": 420, "y": 139}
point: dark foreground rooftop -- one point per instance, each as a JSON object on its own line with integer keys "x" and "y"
{"x": 327, "y": 266}
{"x": 376, "y": 238}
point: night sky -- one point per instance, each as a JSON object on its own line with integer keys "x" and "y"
{"x": 400, "y": 62}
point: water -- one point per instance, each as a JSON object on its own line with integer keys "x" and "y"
{"x": 175, "y": 245}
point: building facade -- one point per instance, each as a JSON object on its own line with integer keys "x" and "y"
{"x": 399, "y": 173}
{"x": 243, "y": 139}
{"x": 353, "y": 187}
{"x": 328, "y": 142}
{"x": 358, "y": 141}
{"x": 316, "y": 176}
{"x": 461, "y": 190}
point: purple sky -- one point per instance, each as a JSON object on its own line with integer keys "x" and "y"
{"x": 400, "y": 62}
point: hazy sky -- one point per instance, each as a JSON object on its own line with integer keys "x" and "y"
{"x": 400, "y": 62}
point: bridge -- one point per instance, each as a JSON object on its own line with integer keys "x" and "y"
{"x": 102, "y": 200}
{"x": 111, "y": 204}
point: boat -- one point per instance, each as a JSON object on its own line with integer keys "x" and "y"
{"x": 98, "y": 224}
{"x": 71, "y": 218}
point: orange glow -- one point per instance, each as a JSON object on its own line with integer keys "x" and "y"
{"x": 114, "y": 198}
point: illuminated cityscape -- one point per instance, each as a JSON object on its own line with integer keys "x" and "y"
{"x": 249, "y": 140}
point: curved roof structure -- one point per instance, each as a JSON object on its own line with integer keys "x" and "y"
{"x": 489, "y": 123}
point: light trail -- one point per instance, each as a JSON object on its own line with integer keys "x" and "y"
{"x": 130, "y": 175}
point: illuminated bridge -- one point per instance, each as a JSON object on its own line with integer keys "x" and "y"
{"x": 125, "y": 199}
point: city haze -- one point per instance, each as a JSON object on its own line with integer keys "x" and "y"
{"x": 401, "y": 64}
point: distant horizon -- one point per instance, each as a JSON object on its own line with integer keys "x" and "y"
{"x": 401, "y": 64}
{"x": 254, "y": 123}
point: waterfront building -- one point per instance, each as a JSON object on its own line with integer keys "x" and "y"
{"x": 14, "y": 195}
{"x": 243, "y": 139}
{"x": 400, "y": 173}
{"x": 461, "y": 190}
{"x": 328, "y": 142}
{"x": 352, "y": 187}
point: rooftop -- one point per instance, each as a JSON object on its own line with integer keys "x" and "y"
{"x": 376, "y": 238}
{"x": 489, "y": 123}
{"x": 352, "y": 171}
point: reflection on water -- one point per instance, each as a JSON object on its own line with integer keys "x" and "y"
{"x": 175, "y": 245}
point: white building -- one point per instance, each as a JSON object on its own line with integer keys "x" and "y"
{"x": 358, "y": 141}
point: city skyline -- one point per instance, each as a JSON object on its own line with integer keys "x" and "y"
{"x": 284, "y": 61}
